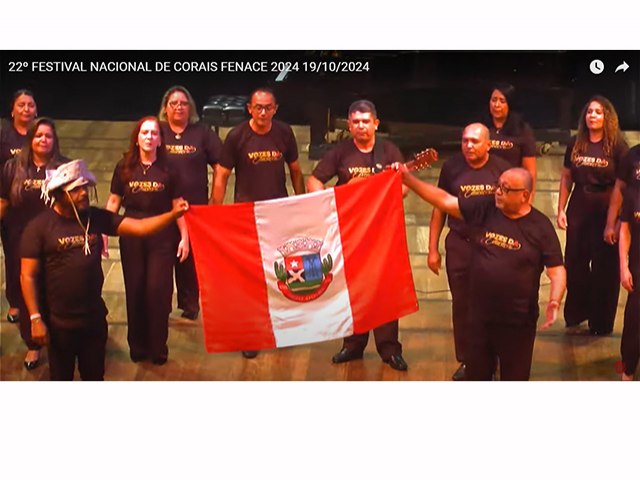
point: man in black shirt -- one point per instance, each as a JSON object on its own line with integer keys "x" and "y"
{"x": 352, "y": 160}
{"x": 514, "y": 242}
{"x": 473, "y": 173}
{"x": 258, "y": 150}
{"x": 65, "y": 303}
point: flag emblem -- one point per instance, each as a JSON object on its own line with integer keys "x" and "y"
{"x": 304, "y": 275}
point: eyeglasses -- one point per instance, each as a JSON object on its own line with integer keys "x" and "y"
{"x": 266, "y": 108}
{"x": 176, "y": 104}
{"x": 506, "y": 189}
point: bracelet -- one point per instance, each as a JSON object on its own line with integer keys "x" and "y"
{"x": 35, "y": 316}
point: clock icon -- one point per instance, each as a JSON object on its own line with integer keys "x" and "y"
{"x": 596, "y": 66}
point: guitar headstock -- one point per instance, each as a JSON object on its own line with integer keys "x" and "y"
{"x": 423, "y": 159}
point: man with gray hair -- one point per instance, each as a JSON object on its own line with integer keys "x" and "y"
{"x": 513, "y": 243}
{"x": 64, "y": 243}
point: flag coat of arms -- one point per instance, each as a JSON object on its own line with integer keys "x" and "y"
{"x": 302, "y": 269}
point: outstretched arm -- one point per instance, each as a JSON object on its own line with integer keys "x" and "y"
{"x": 150, "y": 225}
{"x": 435, "y": 196}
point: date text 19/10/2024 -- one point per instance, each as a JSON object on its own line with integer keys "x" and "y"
{"x": 333, "y": 66}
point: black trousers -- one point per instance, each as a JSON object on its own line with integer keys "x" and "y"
{"x": 458, "y": 264}
{"x": 187, "y": 285}
{"x": 386, "y": 337}
{"x": 11, "y": 245}
{"x": 630, "y": 345}
{"x": 87, "y": 345}
{"x": 511, "y": 345}
{"x": 147, "y": 266}
{"x": 593, "y": 279}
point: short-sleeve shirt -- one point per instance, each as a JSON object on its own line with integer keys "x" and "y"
{"x": 190, "y": 152}
{"x": 631, "y": 214}
{"x": 513, "y": 148}
{"x": 593, "y": 170}
{"x": 509, "y": 256}
{"x": 629, "y": 171}
{"x": 72, "y": 280}
{"x": 30, "y": 204}
{"x": 461, "y": 180}
{"x": 259, "y": 160}
{"x": 347, "y": 162}
{"x": 11, "y": 142}
{"x": 149, "y": 191}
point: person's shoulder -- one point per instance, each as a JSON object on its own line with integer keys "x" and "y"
{"x": 238, "y": 131}
{"x": 498, "y": 162}
{"x": 281, "y": 126}
{"x": 43, "y": 219}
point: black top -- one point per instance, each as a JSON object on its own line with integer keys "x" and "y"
{"x": 346, "y": 162}
{"x": 150, "y": 190}
{"x": 72, "y": 280}
{"x": 629, "y": 171}
{"x": 259, "y": 160}
{"x": 631, "y": 214}
{"x": 463, "y": 181}
{"x": 593, "y": 169}
{"x": 509, "y": 256}
{"x": 513, "y": 148}
{"x": 30, "y": 205}
{"x": 11, "y": 141}
{"x": 196, "y": 147}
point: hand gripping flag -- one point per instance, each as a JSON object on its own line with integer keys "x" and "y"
{"x": 302, "y": 269}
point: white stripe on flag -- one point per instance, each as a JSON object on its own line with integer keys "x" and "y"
{"x": 313, "y": 217}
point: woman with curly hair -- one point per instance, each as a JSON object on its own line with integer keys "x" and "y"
{"x": 590, "y": 163}
{"x": 20, "y": 202}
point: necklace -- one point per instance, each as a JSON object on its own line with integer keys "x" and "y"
{"x": 145, "y": 167}
{"x": 178, "y": 136}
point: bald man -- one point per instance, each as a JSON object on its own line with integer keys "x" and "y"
{"x": 473, "y": 173}
{"x": 513, "y": 243}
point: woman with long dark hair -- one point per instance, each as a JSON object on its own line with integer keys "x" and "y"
{"x": 20, "y": 202}
{"x": 589, "y": 174}
{"x": 145, "y": 184}
{"x": 511, "y": 137}
{"x": 13, "y": 135}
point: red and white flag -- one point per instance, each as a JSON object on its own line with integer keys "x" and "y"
{"x": 302, "y": 269}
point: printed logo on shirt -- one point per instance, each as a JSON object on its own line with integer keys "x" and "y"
{"x": 636, "y": 216}
{"x": 638, "y": 172}
{"x": 264, "y": 156}
{"x": 360, "y": 172}
{"x": 590, "y": 162}
{"x": 502, "y": 144}
{"x": 66, "y": 243}
{"x": 32, "y": 184}
{"x": 501, "y": 241}
{"x": 15, "y": 151}
{"x": 145, "y": 187}
{"x": 181, "y": 149}
{"x": 467, "y": 191}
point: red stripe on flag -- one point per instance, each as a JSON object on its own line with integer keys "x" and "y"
{"x": 236, "y": 312}
{"x": 374, "y": 244}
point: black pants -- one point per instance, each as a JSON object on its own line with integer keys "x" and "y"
{"x": 147, "y": 266}
{"x": 386, "y": 337}
{"x": 511, "y": 345}
{"x": 593, "y": 279}
{"x": 187, "y": 285}
{"x": 458, "y": 263}
{"x": 630, "y": 345}
{"x": 11, "y": 245}
{"x": 87, "y": 345}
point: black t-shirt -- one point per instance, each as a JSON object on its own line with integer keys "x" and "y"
{"x": 30, "y": 205}
{"x": 631, "y": 214}
{"x": 509, "y": 256}
{"x": 11, "y": 142}
{"x": 593, "y": 170}
{"x": 150, "y": 190}
{"x": 629, "y": 171}
{"x": 72, "y": 280}
{"x": 259, "y": 161}
{"x": 463, "y": 181}
{"x": 346, "y": 162}
{"x": 513, "y": 148}
{"x": 190, "y": 152}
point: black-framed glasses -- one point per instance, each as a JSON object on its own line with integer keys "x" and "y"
{"x": 177, "y": 103}
{"x": 267, "y": 108}
{"x": 504, "y": 188}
